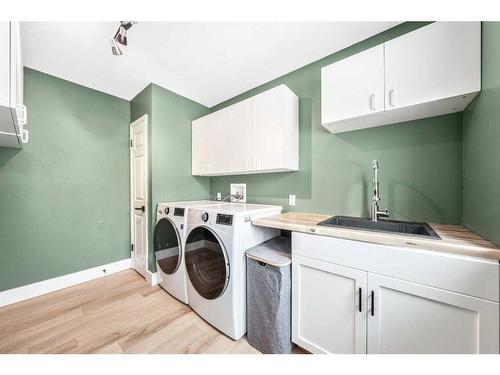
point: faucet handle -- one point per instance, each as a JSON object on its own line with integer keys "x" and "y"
{"x": 375, "y": 163}
{"x": 384, "y": 213}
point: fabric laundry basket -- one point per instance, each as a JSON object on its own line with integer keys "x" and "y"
{"x": 269, "y": 296}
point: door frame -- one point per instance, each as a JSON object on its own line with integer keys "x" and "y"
{"x": 131, "y": 197}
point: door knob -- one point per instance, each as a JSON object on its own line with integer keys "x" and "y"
{"x": 142, "y": 208}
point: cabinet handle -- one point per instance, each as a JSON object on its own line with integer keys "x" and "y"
{"x": 254, "y": 163}
{"x": 360, "y": 291}
{"x": 373, "y": 303}
{"x": 392, "y": 95}
{"x": 372, "y": 102}
{"x": 24, "y": 117}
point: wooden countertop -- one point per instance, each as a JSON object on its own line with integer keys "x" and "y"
{"x": 455, "y": 239}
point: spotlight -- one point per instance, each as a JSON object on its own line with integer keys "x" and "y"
{"x": 121, "y": 37}
{"x": 115, "y": 50}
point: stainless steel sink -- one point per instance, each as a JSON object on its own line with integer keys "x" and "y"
{"x": 391, "y": 226}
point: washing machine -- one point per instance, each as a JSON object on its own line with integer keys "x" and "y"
{"x": 216, "y": 241}
{"x": 168, "y": 244}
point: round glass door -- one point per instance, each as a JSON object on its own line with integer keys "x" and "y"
{"x": 206, "y": 263}
{"x": 166, "y": 245}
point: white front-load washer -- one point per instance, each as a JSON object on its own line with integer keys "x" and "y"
{"x": 216, "y": 242}
{"x": 168, "y": 244}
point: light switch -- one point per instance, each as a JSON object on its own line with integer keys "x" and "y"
{"x": 219, "y": 196}
{"x": 291, "y": 200}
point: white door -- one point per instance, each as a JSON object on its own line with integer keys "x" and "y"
{"x": 417, "y": 319}
{"x": 353, "y": 87}
{"x": 328, "y": 307}
{"x": 438, "y": 61}
{"x": 139, "y": 193}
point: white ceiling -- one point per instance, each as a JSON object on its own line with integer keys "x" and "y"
{"x": 208, "y": 62}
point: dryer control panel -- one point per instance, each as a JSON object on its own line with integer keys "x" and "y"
{"x": 224, "y": 219}
{"x": 179, "y": 211}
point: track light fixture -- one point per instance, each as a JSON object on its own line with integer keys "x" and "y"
{"x": 121, "y": 37}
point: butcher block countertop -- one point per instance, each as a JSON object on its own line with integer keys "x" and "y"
{"x": 455, "y": 239}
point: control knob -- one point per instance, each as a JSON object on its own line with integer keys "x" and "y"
{"x": 204, "y": 217}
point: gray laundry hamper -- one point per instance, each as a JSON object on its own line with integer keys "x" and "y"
{"x": 269, "y": 290}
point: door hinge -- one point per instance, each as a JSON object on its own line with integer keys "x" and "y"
{"x": 131, "y": 143}
{"x": 131, "y": 247}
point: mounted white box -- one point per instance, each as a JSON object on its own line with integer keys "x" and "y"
{"x": 257, "y": 135}
{"x": 428, "y": 72}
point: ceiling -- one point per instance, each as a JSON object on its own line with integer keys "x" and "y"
{"x": 208, "y": 62}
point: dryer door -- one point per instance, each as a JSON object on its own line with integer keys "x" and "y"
{"x": 167, "y": 246}
{"x": 207, "y": 263}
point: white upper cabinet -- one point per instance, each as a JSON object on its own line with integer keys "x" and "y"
{"x": 354, "y": 86}
{"x": 431, "y": 71}
{"x": 12, "y": 110}
{"x": 256, "y": 135}
{"x": 438, "y": 61}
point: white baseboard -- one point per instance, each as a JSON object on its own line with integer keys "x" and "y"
{"x": 25, "y": 292}
{"x": 152, "y": 278}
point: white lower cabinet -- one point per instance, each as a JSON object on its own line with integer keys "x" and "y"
{"x": 417, "y": 319}
{"x": 328, "y": 314}
{"x": 339, "y": 308}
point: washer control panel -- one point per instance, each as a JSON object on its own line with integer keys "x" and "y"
{"x": 224, "y": 219}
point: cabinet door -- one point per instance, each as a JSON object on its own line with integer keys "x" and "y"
{"x": 5, "y": 64}
{"x": 17, "y": 71}
{"x": 438, "y": 61}
{"x": 14, "y": 72}
{"x": 413, "y": 318}
{"x": 326, "y": 313}
{"x": 267, "y": 130}
{"x": 200, "y": 146}
{"x": 231, "y": 138}
{"x": 353, "y": 87}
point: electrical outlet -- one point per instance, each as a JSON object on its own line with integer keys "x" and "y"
{"x": 291, "y": 200}
{"x": 219, "y": 196}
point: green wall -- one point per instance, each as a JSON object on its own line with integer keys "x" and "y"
{"x": 481, "y": 134}
{"x": 64, "y": 196}
{"x": 420, "y": 161}
{"x": 170, "y": 149}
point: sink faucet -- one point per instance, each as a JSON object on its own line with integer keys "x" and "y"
{"x": 376, "y": 198}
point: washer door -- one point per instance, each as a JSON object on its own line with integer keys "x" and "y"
{"x": 206, "y": 263}
{"x": 167, "y": 247}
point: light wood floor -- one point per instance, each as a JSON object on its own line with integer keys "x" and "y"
{"x": 119, "y": 313}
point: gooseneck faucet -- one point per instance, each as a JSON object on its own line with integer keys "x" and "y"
{"x": 375, "y": 213}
